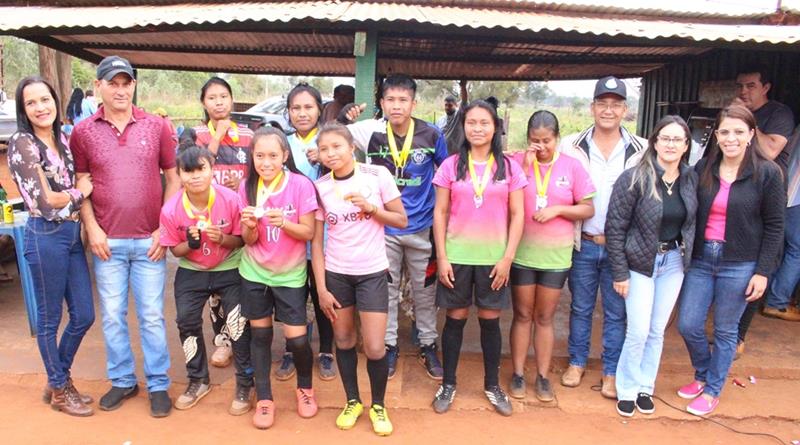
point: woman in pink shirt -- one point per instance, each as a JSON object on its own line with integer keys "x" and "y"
{"x": 278, "y": 205}
{"x": 358, "y": 201}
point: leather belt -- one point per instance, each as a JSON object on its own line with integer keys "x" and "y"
{"x": 597, "y": 239}
{"x": 666, "y": 246}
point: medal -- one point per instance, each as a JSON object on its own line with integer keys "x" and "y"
{"x": 202, "y": 222}
{"x": 479, "y": 185}
{"x": 259, "y": 212}
{"x": 233, "y": 131}
{"x": 542, "y": 184}
{"x": 355, "y": 174}
{"x": 263, "y": 194}
{"x": 399, "y": 158}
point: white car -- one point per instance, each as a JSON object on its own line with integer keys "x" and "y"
{"x": 8, "y": 120}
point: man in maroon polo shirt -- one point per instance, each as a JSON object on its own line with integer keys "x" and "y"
{"x": 124, "y": 149}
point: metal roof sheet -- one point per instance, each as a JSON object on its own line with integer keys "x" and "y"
{"x": 20, "y": 19}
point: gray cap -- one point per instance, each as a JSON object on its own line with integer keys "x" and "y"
{"x": 610, "y": 85}
{"x": 113, "y": 65}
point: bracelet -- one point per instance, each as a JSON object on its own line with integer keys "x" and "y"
{"x": 374, "y": 209}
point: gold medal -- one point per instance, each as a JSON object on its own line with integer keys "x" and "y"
{"x": 479, "y": 185}
{"x": 202, "y": 222}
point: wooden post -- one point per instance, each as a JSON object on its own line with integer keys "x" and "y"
{"x": 365, "y": 49}
{"x": 56, "y": 68}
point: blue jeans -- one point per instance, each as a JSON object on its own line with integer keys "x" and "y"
{"x": 648, "y": 306}
{"x": 130, "y": 266}
{"x": 712, "y": 281}
{"x": 788, "y": 274}
{"x": 590, "y": 269}
{"x": 60, "y": 274}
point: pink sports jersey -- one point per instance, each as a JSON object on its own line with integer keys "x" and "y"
{"x": 224, "y": 213}
{"x": 276, "y": 259}
{"x": 356, "y": 244}
{"x": 478, "y": 235}
{"x": 549, "y": 246}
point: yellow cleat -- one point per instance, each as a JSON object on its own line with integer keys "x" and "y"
{"x": 347, "y": 419}
{"x": 380, "y": 420}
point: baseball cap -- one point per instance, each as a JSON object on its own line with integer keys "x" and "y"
{"x": 113, "y": 65}
{"x": 610, "y": 85}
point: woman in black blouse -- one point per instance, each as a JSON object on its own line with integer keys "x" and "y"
{"x": 42, "y": 167}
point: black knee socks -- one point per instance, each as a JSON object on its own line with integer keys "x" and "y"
{"x": 303, "y": 360}
{"x": 261, "y": 357}
{"x": 347, "y": 362}
{"x": 491, "y": 343}
{"x": 378, "y": 371}
{"x": 452, "y": 337}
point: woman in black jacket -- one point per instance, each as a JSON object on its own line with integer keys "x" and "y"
{"x": 741, "y": 202}
{"x": 649, "y": 234}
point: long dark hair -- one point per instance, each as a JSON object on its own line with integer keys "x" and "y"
{"x": 251, "y": 185}
{"x": 496, "y": 146}
{"x": 753, "y": 156}
{"x": 303, "y": 87}
{"x": 24, "y": 124}
{"x": 644, "y": 175}
{"x": 74, "y": 105}
{"x": 190, "y": 155}
{"x": 213, "y": 81}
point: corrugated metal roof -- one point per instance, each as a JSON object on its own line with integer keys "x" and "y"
{"x": 17, "y": 19}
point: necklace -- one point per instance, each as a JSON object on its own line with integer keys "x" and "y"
{"x": 669, "y": 185}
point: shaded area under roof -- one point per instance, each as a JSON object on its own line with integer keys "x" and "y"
{"x": 490, "y": 39}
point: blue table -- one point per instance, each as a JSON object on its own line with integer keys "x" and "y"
{"x": 17, "y": 231}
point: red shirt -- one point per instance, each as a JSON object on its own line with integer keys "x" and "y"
{"x": 125, "y": 170}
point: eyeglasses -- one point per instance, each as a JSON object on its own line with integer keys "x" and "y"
{"x": 613, "y": 106}
{"x": 721, "y": 134}
{"x": 666, "y": 140}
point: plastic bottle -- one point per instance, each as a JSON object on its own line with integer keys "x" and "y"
{"x": 8, "y": 210}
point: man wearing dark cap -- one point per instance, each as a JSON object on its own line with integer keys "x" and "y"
{"x": 124, "y": 149}
{"x": 606, "y": 149}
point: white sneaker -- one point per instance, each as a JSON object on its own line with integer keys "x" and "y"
{"x": 222, "y": 356}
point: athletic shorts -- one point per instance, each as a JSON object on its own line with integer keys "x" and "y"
{"x": 288, "y": 304}
{"x": 526, "y": 276}
{"x": 368, "y": 293}
{"x": 472, "y": 286}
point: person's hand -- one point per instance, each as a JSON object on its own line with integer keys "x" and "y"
{"x": 755, "y": 288}
{"x": 248, "y": 218}
{"x": 313, "y": 155}
{"x": 156, "y": 252}
{"x": 445, "y": 271}
{"x": 275, "y": 217}
{"x": 621, "y": 287}
{"x": 222, "y": 129}
{"x": 355, "y": 111}
{"x": 546, "y": 214}
{"x": 98, "y": 243}
{"x": 84, "y": 185}
{"x": 359, "y": 201}
{"x": 214, "y": 234}
{"x": 328, "y": 303}
{"x": 232, "y": 182}
{"x": 499, "y": 273}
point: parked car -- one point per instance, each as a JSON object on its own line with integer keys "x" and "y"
{"x": 8, "y": 118}
{"x": 271, "y": 111}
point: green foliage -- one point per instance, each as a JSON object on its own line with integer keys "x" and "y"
{"x": 83, "y": 74}
{"x": 20, "y": 59}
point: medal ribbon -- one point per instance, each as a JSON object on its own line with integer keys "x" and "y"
{"x": 311, "y": 134}
{"x": 333, "y": 178}
{"x": 480, "y": 185}
{"x": 262, "y": 195}
{"x": 541, "y": 186}
{"x": 187, "y": 205}
{"x": 401, "y": 158}
{"x": 232, "y": 129}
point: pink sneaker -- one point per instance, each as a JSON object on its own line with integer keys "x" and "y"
{"x": 691, "y": 390}
{"x": 306, "y": 403}
{"x": 700, "y": 406}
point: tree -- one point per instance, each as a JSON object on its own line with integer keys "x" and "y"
{"x": 537, "y": 92}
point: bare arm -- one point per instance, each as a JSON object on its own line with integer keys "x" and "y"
{"x": 441, "y": 214}
{"x": 771, "y": 144}
{"x": 516, "y": 222}
{"x": 327, "y": 301}
{"x": 173, "y": 183}
{"x": 303, "y": 230}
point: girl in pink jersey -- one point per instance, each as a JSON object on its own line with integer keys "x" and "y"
{"x": 358, "y": 200}
{"x": 200, "y": 225}
{"x": 278, "y": 205}
{"x": 557, "y": 195}
{"x": 477, "y": 224}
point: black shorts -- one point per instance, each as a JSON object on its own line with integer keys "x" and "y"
{"x": 527, "y": 276}
{"x": 472, "y": 281}
{"x": 287, "y": 303}
{"x": 369, "y": 293}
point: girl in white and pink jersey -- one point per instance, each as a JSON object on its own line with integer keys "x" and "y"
{"x": 278, "y": 204}
{"x": 351, "y": 271}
